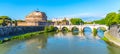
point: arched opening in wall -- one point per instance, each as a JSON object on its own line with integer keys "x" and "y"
{"x": 102, "y": 28}
{"x": 87, "y": 31}
{"x": 100, "y": 31}
{"x": 56, "y": 29}
{"x": 75, "y": 29}
{"x": 65, "y": 29}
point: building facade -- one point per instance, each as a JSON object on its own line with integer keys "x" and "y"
{"x": 61, "y": 21}
{"x": 35, "y": 18}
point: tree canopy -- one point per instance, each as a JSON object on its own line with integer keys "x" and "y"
{"x": 4, "y": 20}
{"x": 76, "y": 21}
{"x": 111, "y": 18}
{"x": 49, "y": 20}
{"x": 5, "y": 17}
{"x": 102, "y": 21}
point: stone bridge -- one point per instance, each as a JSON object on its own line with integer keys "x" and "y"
{"x": 81, "y": 27}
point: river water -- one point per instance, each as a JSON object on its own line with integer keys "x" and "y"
{"x": 61, "y": 43}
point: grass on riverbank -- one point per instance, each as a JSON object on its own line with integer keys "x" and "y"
{"x": 28, "y": 35}
{"x": 1, "y": 41}
{"x": 22, "y": 36}
{"x": 107, "y": 35}
{"x": 105, "y": 39}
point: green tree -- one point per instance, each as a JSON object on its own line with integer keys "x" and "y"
{"x": 102, "y": 21}
{"x": 46, "y": 29}
{"x": 51, "y": 28}
{"x": 5, "y": 20}
{"x": 49, "y": 20}
{"x": 76, "y": 21}
{"x": 115, "y": 20}
{"x": 20, "y": 20}
{"x": 94, "y": 31}
{"x": 111, "y": 18}
{"x": 118, "y": 18}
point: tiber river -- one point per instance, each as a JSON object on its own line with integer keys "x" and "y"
{"x": 61, "y": 43}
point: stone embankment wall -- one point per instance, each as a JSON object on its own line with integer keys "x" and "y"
{"x": 10, "y": 31}
{"x": 115, "y": 30}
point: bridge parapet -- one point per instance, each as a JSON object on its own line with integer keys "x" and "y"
{"x": 81, "y": 27}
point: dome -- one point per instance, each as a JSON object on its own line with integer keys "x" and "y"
{"x": 35, "y": 14}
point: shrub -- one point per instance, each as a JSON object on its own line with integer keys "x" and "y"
{"x": 1, "y": 41}
{"x": 94, "y": 31}
{"x": 51, "y": 28}
{"x": 6, "y": 39}
{"x": 46, "y": 29}
{"x": 105, "y": 39}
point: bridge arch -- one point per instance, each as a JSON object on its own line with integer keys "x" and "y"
{"x": 65, "y": 29}
{"x": 87, "y": 28}
{"x": 56, "y": 28}
{"x": 80, "y": 27}
{"x": 102, "y": 28}
{"x": 75, "y": 28}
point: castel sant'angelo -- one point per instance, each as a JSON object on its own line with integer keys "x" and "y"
{"x": 36, "y": 18}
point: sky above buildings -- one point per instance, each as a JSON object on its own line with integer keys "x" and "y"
{"x": 92, "y": 9}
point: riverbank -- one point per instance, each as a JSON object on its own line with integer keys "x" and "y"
{"x": 28, "y": 35}
{"x": 18, "y": 30}
{"x": 58, "y": 42}
{"x": 112, "y": 39}
{"x": 22, "y": 36}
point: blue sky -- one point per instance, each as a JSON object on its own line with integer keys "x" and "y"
{"x": 18, "y": 9}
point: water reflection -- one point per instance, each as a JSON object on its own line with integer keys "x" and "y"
{"x": 28, "y": 46}
{"x": 100, "y": 33}
{"x": 60, "y": 43}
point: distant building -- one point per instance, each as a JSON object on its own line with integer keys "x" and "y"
{"x": 61, "y": 21}
{"x": 35, "y": 18}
